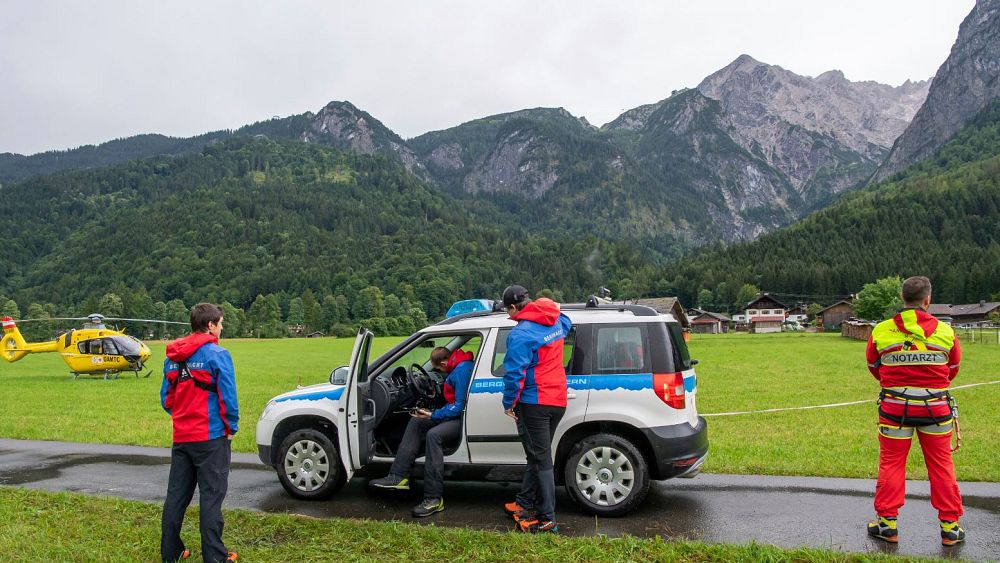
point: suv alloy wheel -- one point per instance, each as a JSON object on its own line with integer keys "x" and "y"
{"x": 606, "y": 475}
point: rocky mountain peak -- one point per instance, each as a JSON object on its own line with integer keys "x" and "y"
{"x": 967, "y": 81}
{"x": 856, "y": 114}
{"x": 342, "y": 125}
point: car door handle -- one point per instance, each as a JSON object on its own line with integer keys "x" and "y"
{"x": 570, "y": 395}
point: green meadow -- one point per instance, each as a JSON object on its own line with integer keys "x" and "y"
{"x": 736, "y": 372}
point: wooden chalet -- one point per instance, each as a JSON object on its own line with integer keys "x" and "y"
{"x": 668, "y": 306}
{"x": 765, "y": 314}
{"x": 830, "y": 318}
{"x": 972, "y": 314}
{"x": 710, "y": 323}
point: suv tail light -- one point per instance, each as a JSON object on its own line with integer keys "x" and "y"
{"x": 669, "y": 387}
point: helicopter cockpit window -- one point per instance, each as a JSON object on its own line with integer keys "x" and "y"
{"x": 91, "y": 346}
{"x": 126, "y": 345}
{"x": 110, "y": 347}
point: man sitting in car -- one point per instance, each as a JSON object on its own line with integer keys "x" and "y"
{"x": 442, "y": 426}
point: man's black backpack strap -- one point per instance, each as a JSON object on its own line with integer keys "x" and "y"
{"x": 183, "y": 375}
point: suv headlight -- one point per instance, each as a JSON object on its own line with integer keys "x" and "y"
{"x": 267, "y": 409}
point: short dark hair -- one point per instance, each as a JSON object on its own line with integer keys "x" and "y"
{"x": 204, "y": 313}
{"x": 439, "y": 354}
{"x": 915, "y": 289}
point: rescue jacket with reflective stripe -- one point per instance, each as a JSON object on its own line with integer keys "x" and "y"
{"x": 913, "y": 349}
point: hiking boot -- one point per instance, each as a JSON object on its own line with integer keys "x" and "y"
{"x": 951, "y": 533}
{"x": 391, "y": 481}
{"x": 232, "y": 556}
{"x": 428, "y": 506}
{"x": 885, "y": 529}
{"x": 518, "y": 512}
{"x": 536, "y": 526}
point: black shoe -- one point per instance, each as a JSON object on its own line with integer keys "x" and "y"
{"x": 428, "y": 506}
{"x": 885, "y": 529}
{"x": 391, "y": 481}
{"x": 951, "y": 533}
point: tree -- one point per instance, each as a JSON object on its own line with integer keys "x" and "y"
{"x": 37, "y": 331}
{"x": 746, "y": 294}
{"x": 296, "y": 312}
{"x": 313, "y": 311}
{"x": 330, "y": 315}
{"x": 813, "y": 309}
{"x": 11, "y": 310}
{"x": 111, "y": 305}
{"x": 370, "y": 303}
{"x": 879, "y": 300}
{"x": 177, "y": 311}
{"x": 235, "y": 320}
{"x": 705, "y": 299}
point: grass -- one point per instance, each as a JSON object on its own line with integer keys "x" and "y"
{"x": 741, "y": 372}
{"x": 41, "y": 526}
{"x": 736, "y": 372}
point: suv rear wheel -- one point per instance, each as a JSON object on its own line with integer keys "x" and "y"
{"x": 309, "y": 466}
{"x": 606, "y": 475}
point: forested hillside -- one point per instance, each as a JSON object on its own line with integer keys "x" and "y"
{"x": 257, "y": 217}
{"x": 940, "y": 218}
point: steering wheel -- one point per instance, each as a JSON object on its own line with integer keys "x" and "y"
{"x": 421, "y": 382}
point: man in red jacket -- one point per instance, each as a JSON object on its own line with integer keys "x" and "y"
{"x": 914, "y": 357}
{"x": 199, "y": 393}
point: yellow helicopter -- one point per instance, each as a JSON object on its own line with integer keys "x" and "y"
{"x": 93, "y": 350}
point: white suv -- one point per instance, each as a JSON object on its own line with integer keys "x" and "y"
{"x": 630, "y": 418}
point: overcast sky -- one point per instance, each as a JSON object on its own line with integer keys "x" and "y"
{"x": 74, "y": 73}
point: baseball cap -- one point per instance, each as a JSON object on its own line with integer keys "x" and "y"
{"x": 513, "y": 295}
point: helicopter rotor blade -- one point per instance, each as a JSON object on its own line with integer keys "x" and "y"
{"x": 146, "y": 321}
{"x": 52, "y": 319}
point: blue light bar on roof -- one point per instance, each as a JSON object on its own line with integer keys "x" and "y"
{"x": 469, "y": 306}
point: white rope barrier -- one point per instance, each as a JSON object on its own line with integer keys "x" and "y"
{"x": 831, "y": 405}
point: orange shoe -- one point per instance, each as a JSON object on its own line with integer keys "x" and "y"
{"x": 185, "y": 554}
{"x": 511, "y": 507}
{"x": 233, "y": 556}
{"x": 535, "y": 526}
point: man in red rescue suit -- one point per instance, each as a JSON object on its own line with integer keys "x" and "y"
{"x": 199, "y": 393}
{"x": 434, "y": 429}
{"x": 914, "y": 357}
{"x": 534, "y": 396}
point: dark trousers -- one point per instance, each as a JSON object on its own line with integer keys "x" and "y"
{"x": 205, "y": 464}
{"x": 536, "y": 424}
{"x": 436, "y": 434}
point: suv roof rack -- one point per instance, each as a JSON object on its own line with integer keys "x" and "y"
{"x": 637, "y": 310}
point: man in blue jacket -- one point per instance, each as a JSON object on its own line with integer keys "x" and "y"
{"x": 199, "y": 393}
{"x": 437, "y": 428}
{"x": 534, "y": 396}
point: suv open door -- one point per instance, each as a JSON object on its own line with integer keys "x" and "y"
{"x": 356, "y": 414}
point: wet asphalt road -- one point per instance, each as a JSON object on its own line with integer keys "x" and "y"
{"x": 784, "y": 511}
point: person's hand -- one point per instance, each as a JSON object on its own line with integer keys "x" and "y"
{"x": 231, "y": 436}
{"x": 510, "y": 413}
{"x": 421, "y": 413}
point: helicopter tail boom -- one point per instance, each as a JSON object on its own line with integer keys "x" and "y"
{"x": 13, "y": 347}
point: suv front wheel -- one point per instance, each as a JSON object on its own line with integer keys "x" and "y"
{"x": 606, "y": 475}
{"x": 309, "y": 466}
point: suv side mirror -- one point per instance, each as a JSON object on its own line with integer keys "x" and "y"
{"x": 339, "y": 376}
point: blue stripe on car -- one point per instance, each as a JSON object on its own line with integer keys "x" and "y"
{"x": 332, "y": 394}
{"x": 608, "y": 382}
